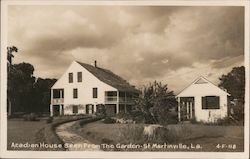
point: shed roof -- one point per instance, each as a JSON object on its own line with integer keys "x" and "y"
{"x": 202, "y": 80}
{"x": 109, "y": 78}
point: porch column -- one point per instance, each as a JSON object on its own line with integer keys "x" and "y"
{"x": 60, "y": 94}
{"x": 187, "y": 110}
{"x": 117, "y": 105}
{"x": 60, "y": 109}
{"x": 51, "y": 109}
{"x": 179, "y": 108}
{"x": 95, "y": 108}
{"x": 191, "y": 110}
{"x": 51, "y": 102}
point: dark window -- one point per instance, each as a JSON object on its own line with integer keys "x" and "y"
{"x": 58, "y": 93}
{"x": 79, "y": 76}
{"x": 111, "y": 93}
{"x": 70, "y": 77}
{"x": 75, "y": 93}
{"x": 75, "y": 109}
{"x": 95, "y": 92}
{"x": 211, "y": 102}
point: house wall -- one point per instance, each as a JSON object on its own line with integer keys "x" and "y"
{"x": 210, "y": 115}
{"x": 206, "y": 89}
{"x": 85, "y": 88}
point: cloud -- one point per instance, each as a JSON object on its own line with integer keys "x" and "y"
{"x": 139, "y": 43}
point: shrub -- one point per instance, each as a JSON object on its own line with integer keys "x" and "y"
{"x": 123, "y": 115}
{"x": 30, "y": 117}
{"x": 131, "y": 133}
{"x": 109, "y": 120}
{"x": 49, "y": 120}
{"x": 227, "y": 121}
{"x": 106, "y": 141}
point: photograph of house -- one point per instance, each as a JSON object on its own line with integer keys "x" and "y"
{"x": 109, "y": 76}
{"x": 84, "y": 89}
{"x": 202, "y": 101}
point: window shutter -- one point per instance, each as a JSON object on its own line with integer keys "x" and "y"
{"x": 217, "y": 101}
{"x": 203, "y": 102}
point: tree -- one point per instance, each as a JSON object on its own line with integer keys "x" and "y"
{"x": 234, "y": 83}
{"x": 21, "y": 81}
{"x": 10, "y": 51}
{"x": 41, "y": 94}
{"x": 155, "y": 102}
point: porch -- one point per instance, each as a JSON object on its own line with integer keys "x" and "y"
{"x": 119, "y": 101}
{"x": 57, "y": 102}
{"x": 186, "y": 108}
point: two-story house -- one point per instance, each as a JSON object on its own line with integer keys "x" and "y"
{"x": 84, "y": 89}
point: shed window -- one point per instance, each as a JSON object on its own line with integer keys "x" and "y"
{"x": 211, "y": 102}
{"x": 70, "y": 77}
{"x": 75, "y": 93}
{"x": 75, "y": 109}
{"x": 79, "y": 76}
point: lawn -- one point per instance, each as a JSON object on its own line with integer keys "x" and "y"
{"x": 208, "y": 136}
{"x": 19, "y": 131}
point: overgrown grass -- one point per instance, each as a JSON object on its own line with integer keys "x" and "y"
{"x": 99, "y": 132}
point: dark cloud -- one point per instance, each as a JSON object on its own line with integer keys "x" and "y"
{"x": 140, "y": 43}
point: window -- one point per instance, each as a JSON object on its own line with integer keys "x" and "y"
{"x": 75, "y": 109}
{"x": 95, "y": 92}
{"x": 70, "y": 77}
{"x": 79, "y": 76}
{"x": 75, "y": 93}
{"x": 211, "y": 102}
{"x": 58, "y": 93}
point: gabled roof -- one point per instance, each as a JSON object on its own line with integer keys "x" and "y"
{"x": 202, "y": 80}
{"x": 109, "y": 78}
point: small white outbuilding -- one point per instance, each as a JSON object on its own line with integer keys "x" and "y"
{"x": 202, "y": 101}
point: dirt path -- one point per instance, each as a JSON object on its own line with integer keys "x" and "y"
{"x": 74, "y": 141}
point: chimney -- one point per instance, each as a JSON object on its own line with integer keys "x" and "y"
{"x": 95, "y": 63}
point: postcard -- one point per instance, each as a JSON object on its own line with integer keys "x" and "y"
{"x": 124, "y": 79}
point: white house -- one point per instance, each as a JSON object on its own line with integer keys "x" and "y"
{"x": 202, "y": 101}
{"x": 84, "y": 89}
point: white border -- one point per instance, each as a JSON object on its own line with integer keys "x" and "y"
{"x": 48, "y": 154}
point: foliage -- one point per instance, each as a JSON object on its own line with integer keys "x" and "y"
{"x": 27, "y": 93}
{"x": 123, "y": 115}
{"x": 228, "y": 121}
{"x": 109, "y": 120}
{"x": 49, "y": 120}
{"x": 30, "y": 117}
{"x": 234, "y": 83}
{"x": 155, "y": 102}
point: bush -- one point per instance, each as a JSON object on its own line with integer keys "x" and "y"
{"x": 49, "y": 120}
{"x": 30, "y": 117}
{"x": 106, "y": 141}
{"x": 109, "y": 120}
{"x": 123, "y": 115}
{"x": 227, "y": 121}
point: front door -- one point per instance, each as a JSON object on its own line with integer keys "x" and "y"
{"x": 56, "y": 110}
{"x": 89, "y": 109}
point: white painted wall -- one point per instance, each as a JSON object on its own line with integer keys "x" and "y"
{"x": 206, "y": 89}
{"x": 85, "y": 88}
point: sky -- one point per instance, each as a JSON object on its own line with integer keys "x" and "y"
{"x": 173, "y": 45}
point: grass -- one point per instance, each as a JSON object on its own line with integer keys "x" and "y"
{"x": 35, "y": 132}
{"x": 208, "y": 136}
{"x": 20, "y": 131}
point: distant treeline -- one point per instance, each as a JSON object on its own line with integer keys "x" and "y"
{"x": 27, "y": 93}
